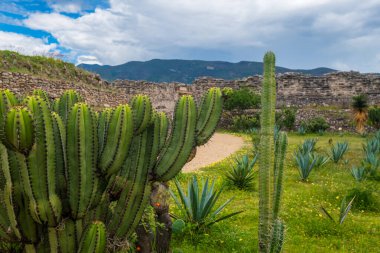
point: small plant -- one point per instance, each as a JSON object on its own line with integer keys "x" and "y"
{"x": 301, "y": 130}
{"x": 308, "y": 146}
{"x": 198, "y": 206}
{"x": 305, "y": 164}
{"x": 286, "y": 118}
{"x": 372, "y": 146}
{"x": 360, "y": 108}
{"x": 374, "y": 117}
{"x": 338, "y": 150}
{"x": 245, "y": 122}
{"x": 242, "y": 174}
{"x": 359, "y": 173}
{"x": 240, "y": 99}
{"x": 320, "y": 160}
{"x": 314, "y": 125}
{"x": 344, "y": 210}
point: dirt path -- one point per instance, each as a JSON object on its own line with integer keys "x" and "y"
{"x": 219, "y": 147}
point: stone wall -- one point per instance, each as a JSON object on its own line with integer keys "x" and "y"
{"x": 303, "y": 91}
{"x": 294, "y": 89}
{"x": 97, "y": 93}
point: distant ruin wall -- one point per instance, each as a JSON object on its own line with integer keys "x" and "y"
{"x": 304, "y": 92}
{"x": 293, "y": 89}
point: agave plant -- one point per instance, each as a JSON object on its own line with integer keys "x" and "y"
{"x": 372, "y": 162}
{"x": 242, "y": 174}
{"x": 344, "y": 210}
{"x": 301, "y": 130}
{"x": 198, "y": 206}
{"x": 359, "y": 173}
{"x": 305, "y": 164}
{"x": 372, "y": 146}
{"x": 320, "y": 160}
{"x": 307, "y": 146}
{"x": 338, "y": 150}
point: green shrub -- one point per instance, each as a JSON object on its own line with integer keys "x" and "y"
{"x": 245, "y": 122}
{"x": 241, "y": 175}
{"x": 315, "y": 125}
{"x": 286, "y": 118}
{"x": 240, "y": 99}
{"x": 374, "y": 117}
{"x": 364, "y": 199}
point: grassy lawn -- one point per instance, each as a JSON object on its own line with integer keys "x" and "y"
{"x": 307, "y": 230}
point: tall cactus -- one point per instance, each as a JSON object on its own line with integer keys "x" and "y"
{"x": 271, "y": 229}
{"x": 70, "y": 176}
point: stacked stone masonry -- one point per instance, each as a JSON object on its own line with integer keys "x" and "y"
{"x": 302, "y": 91}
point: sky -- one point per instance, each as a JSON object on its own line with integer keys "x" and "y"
{"x": 340, "y": 34}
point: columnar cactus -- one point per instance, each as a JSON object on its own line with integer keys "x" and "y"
{"x": 76, "y": 180}
{"x": 271, "y": 229}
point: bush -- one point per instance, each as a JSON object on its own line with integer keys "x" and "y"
{"x": 286, "y": 118}
{"x": 245, "y": 122}
{"x": 240, "y": 99}
{"x": 315, "y": 125}
{"x": 364, "y": 199}
{"x": 374, "y": 117}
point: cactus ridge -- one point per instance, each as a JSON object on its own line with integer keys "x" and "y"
{"x": 93, "y": 239}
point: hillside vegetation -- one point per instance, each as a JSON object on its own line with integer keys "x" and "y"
{"x": 42, "y": 66}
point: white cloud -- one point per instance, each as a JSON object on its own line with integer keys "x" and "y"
{"x": 145, "y": 29}
{"x": 66, "y": 7}
{"x": 87, "y": 59}
{"x": 25, "y": 44}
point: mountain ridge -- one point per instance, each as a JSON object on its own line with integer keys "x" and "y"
{"x": 186, "y": 71}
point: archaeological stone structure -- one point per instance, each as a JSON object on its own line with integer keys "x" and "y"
{"x": 298, "y": 90}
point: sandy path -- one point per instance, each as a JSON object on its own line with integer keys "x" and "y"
{"x": 219, "y": 147}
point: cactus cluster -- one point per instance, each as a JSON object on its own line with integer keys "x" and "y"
{"x": 271, "y": 169}
{"x": 76, "y": 180}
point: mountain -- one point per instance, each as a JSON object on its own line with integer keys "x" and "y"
{"x": 186, "y": 71}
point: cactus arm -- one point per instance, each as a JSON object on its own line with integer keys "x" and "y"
{"x": 266, "y": 151}
{"x": 134, "y": 197}
{"x": 81, "y": 148}
{"x": 19, "y": 130}
{"x": 280, "y": 152}
{"x": 158, "y": 132}
{"x": 42, "y": 94}
{"x": 103, "y": 123}
{"x": 66, "y": 102}
{"x": 209, "y": 115}
{"x": 41, "y": 165}
{"x": 8, "y": 191}
{"x": 119, "y": 136}
{"x": 7, "y": 100}
{"x": 181, "y": 143}
{"x": 142, "y": 112}
{"x": 277, "y": 241}
{"x": 93, "y": 239}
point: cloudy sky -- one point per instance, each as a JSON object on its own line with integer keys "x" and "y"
{"x": 341, "y": 34}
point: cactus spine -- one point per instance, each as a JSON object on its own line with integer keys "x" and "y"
{"x": 70, "y": 177}
{"x": 271, "y": 229}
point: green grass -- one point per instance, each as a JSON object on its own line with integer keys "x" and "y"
{"x": 306, "y": 229}
{"x": 42, "y": 66}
